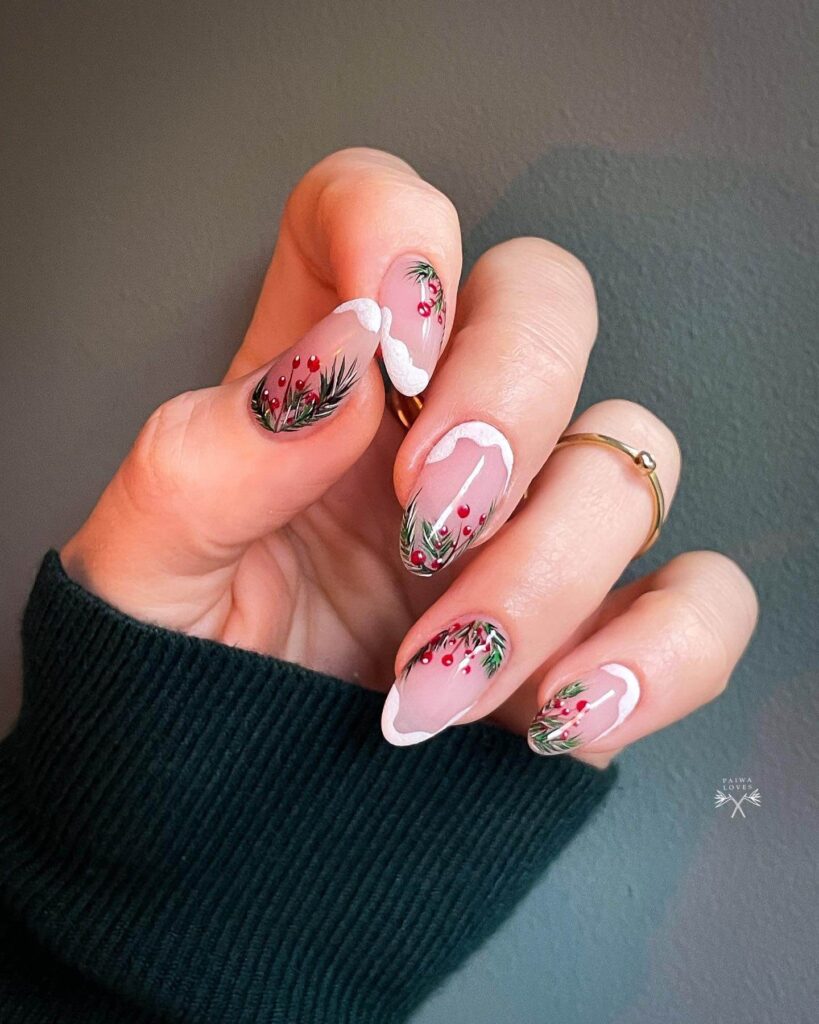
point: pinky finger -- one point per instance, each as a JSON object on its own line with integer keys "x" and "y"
{"x": 670, "y": 651}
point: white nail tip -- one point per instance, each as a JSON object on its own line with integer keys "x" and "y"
{"x": 389, "y": 714}
{"x": 628, "y": 701}
{"x": 367, "y": 310}
{"x": 391, "y": 734}
{"x": 408, "y": 378}
{"x": 483, "y": 434}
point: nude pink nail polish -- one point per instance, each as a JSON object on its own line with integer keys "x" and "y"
{"x": 585, "y": 710}
{"x": 413, "y": 308}
{"x": 312, "y": 379}
{"x": 463, "y": 478}
{"x": 443, "y": 680}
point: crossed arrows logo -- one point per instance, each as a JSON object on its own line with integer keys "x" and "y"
{"x": 721, "y": 799}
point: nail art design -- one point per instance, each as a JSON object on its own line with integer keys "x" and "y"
{"x": 443, "y": 680}
{"x": 413, "y": 322}
{"x": 463, "y": 479}
{"x": 309, "y": 381}
{"x": 585, "y": 710}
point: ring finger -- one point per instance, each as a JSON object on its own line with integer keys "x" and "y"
{"x": 527, "y": 592}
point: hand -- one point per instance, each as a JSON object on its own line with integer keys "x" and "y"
{"x": 259, "y": 513}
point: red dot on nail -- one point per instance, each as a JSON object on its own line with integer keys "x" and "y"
{"x": 466, "y": 669}
{"x": 313, "y": 364}
{"x": 426, "y": 658}
{"x": 582, "y": 704}
{"x": 482, "y": 519}
{"x": 274, "y": 403}
{"x": 447, "y": 660}
{"x": 444, "y": 531}
{"x": 265, "y": 392}
{"x": 418, "y": 557}
{"x": 436, "y": 563}
{"x": 424, "y": 309}
{"x": 296, "y": 361}
{"x": 463, "y": 511}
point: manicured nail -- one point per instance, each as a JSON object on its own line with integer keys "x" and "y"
{"x": 311, "y": 380}
{"x": 459, "y": 487}
{"x": 584, "y": 711}
{"x": 443, "y": 680}
{"x": 413, "y": 321}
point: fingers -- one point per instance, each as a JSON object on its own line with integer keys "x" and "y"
{"x": 672, "y": 650}
{"x": 362, "y": 222}
{"x": 527, "y": 321}
{"x": 539, "y": 579}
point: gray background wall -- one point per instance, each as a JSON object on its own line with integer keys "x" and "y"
{"x": 147, "y": 150}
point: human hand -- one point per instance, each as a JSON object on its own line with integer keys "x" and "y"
{"x": 259, "y": 513}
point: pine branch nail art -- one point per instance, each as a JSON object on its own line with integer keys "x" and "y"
{"x": 584, "y": 711}
{"x": 443, "y": 680}
{"x": 463, "y": 479}
{"x": 310, "y": 381}
{"x": 414, "y": 322}
{"x": 298, "y": 401}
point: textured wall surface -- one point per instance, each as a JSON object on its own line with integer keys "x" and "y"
{"x": 147, "y": 151}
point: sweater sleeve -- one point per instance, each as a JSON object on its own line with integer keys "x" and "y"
{"x": 196, "y": 833}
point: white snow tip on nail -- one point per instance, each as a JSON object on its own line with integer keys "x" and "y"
{"x": 408, "y": 378}
{"x": 367, "y": 310}
{"x": 391, "y": 734}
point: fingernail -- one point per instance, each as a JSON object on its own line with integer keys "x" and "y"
{"x": 443, "y": 680}
{"x": 310, "y": 381}
{"x": 459, "y": 487}
{"x": 413, "y": 308}
{"x": 585, "y": 711}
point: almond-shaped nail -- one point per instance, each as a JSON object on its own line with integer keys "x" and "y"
{"x": 413, "y": 307}
{"x": 311, "y": 380}
{"x": 443, "y": 680}
{"x": 459, "y": 487}
{"x": 585, "y": 710}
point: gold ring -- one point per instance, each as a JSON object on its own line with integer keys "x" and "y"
{"x": 643, "y": 462}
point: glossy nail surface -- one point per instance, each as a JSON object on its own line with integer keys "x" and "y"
{"x": 413, "y": 308}
{"x": 443, "y": 680}
{"x": 585, "y": 710}
{"x": 463, "y": 479}
{"x": 311, "y": 380}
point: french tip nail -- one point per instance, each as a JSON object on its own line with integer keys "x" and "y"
{"x": 390, "y": 733}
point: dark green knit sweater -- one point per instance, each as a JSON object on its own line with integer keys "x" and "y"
{"x": 190, "y": 832}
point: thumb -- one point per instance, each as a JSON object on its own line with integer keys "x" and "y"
{"x": 213, "y": 470}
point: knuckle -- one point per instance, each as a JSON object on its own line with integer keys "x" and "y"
{"x": 640, "y": 427}
{"x": 726, "y": 584}
{"x": 158, "y": 467}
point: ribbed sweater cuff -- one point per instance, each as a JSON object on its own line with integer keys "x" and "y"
{"x": 192, "y": 832}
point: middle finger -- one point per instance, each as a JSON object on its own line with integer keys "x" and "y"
{"x": 526, "y": 322}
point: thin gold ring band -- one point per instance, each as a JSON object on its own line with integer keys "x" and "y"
{"x": 645, "y": 465}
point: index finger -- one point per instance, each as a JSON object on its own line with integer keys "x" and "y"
{"x": 362, "y": 223}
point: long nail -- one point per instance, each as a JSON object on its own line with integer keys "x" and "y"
{"x": 585, "y": 710}
{"x": 311, "y": 380}
{"x": 443, "y": 680}
{"x": 414, "y": 318}
{"x": 459, "y": 487}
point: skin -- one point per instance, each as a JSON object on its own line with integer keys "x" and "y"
{"x": 288, "y": 545}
